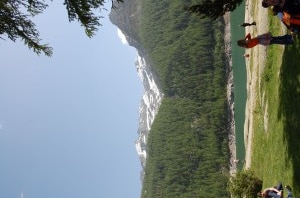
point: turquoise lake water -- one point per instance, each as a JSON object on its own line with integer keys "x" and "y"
{"x": 239, "y": 75}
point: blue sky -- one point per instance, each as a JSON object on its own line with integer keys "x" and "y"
{"x": 68, "y": 123}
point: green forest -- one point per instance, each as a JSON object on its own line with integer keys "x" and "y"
{"x": 187, "y": 147}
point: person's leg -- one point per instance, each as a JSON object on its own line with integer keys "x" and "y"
{"x": 279, "y": 186}
{"x": 289, "y": 194}
{"x": 274, "y": 195}
{"x": 246, "y": 24}
{"x": 289, "y": 189}
{"x": 282, "y": 40}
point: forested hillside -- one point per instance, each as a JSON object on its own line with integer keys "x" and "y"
{"x": 187, "y": 148}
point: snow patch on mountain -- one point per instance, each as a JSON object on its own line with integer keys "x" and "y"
{"x": 149, "y": 106}
{"x": 127, "y": 19}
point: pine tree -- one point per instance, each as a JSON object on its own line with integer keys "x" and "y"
{"x": 15, "y": 19}
{"x": 213, "y": 8}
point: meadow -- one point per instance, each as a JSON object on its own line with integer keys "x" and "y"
{"x": 275, "y": 150}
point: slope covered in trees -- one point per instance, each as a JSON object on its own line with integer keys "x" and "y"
{"x": 188, "y": 154}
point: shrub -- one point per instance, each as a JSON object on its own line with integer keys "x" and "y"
{"x": 245, "y": 184}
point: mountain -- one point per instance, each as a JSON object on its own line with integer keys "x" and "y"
{"x": 126, "y": 18}
{"x": 189, "y": 145}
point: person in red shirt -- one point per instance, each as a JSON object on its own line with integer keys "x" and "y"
{"x": 265, "y": 39}
{"x": 292, "y": 22}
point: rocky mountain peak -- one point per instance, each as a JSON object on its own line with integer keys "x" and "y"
{"x": 127, "y": 18}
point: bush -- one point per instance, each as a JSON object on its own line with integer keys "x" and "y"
{"x": 245, "y": 184}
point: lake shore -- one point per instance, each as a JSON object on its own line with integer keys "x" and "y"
{"x": 254, "y": 66}
{"x": 230, "y": 94}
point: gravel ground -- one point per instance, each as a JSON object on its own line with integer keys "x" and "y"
{"x": 254, "y": 12}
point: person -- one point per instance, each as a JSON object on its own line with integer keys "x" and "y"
{"x": 288, "y": 11}
{"x": 292, "y": 22}
{"x": 265, "y": 39}
{"x": 289, "y": 189}
{"x": 248, "y": 24}
{"x": 246, "y": 55}
{"x": 290, "y": 6}
{"x": 275, "y": 192}
{"x": 277, "y": 3}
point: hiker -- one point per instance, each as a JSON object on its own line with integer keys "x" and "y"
{"x": 289, "y": 189}
{"x": 292, "y": 22}
{"x": 290, "y": 6}
{"x": 246, "y": 55}
{"x": 248, "y": 24}
{"x": 265, "y": 39}
{"x": 288, "y": 12}
{"x": 275, "y": 192}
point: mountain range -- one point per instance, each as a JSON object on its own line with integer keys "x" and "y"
{"x": 126, "y": 17}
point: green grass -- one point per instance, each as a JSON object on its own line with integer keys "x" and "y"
{"x": 276, "y": 151}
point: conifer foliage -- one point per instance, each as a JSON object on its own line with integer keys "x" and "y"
{"x": 245, "y": 184}
{"x": 187, "y": 146}
{"x": 16, "y": 19}
{"x": 213, "y": 8}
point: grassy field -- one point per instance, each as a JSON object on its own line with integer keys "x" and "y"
{"x": 276, "y": 142}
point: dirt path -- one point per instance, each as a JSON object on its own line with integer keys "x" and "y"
{"x": 254, "y": 66}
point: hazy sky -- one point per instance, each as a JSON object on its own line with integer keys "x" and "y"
{"x": 68, "y": 123}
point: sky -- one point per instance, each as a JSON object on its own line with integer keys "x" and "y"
{"x": 68, "y": 123}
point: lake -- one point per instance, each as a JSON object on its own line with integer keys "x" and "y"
{"x": 239, "y": 79}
